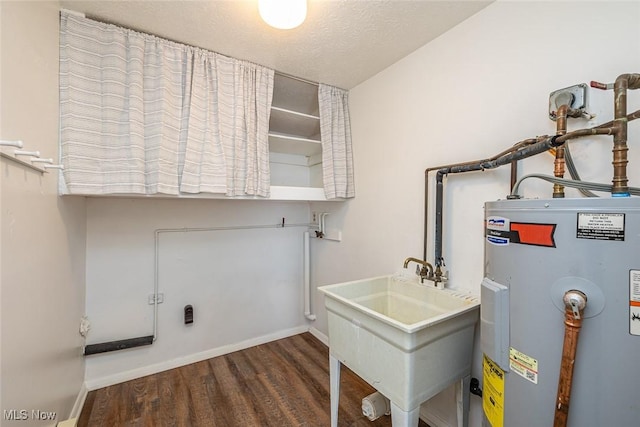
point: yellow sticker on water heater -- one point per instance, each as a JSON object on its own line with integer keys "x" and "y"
{"x": 493, "y": 392}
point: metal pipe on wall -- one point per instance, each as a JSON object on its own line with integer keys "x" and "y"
{"x": 436, "y": 168}
{"x": 519, "y": 151}
{"x": 307, "y": 278}
{"x": 514, "y": 174}
{"x": 558, "y": 164}
{"x": 439, "y": 260}
{"x": 150, "y": 339}
{"x": 620, "y": 148}
{"x": 623, "y": 83}
{"x": 156, "y": 272}
{"x": 540, "y": 144}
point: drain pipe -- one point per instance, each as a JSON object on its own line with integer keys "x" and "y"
{"x": 307, "y": 278}
{"x": 575, "y": 303}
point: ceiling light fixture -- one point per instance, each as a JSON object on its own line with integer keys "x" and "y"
{"x": 283, "y": 14}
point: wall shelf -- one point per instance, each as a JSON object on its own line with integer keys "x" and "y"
{"x": 281, "y": 143}
{"x": 295, "y": 150}
{"x": 291, "y": 122}
{"x": 278, "y": 193}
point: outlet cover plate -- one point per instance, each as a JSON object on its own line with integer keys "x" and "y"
{"x": 152, "y": 299}
{"x": 576, "y": 93}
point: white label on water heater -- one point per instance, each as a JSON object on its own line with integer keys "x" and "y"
{"x": 496, "y": 227}
{"x": 523, "y": 365}
{"x": 634, "y": 302}
{"x": 600, "y": 226}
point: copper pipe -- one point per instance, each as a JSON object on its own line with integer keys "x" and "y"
{"x": 603, "y": 129}
{"x": 630, "y": 117}
{"x": 558, "y": 164}
{"x": 584, "y": 132}
{"x": 620, "y": 148}
{"x": 620, "y": 122}
{"x": 575, "y": 302}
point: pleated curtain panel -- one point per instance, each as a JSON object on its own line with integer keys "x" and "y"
{"x": 335, "y": 134}
{"x": 144, "y": 115}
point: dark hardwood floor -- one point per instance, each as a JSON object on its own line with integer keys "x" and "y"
{"x": 279, "y": 384}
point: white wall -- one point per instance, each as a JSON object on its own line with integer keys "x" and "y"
{"x": 471, "y": 93}
{"x": 245, "y": 285}
{"x": 43, "y": 236}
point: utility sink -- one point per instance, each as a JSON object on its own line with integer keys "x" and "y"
{"x": 408, "y": 340}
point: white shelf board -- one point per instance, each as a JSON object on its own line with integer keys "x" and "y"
{"x": 297, "y": 193}
{"x": 280, "y": 143}
{"x": 290, "y": 122}
{"x": 277, "y": 193}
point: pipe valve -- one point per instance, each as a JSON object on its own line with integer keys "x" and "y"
{"x": 576, "y": 301}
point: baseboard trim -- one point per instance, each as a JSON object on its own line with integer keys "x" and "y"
{"x": 90, "y": 385}
{"x": 321, "y": 336}
{"x": 71, "y": 422}
{"x": 79, "y": 403}
{"x": 132, "y": 374}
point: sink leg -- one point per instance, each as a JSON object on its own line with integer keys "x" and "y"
{"x": 400, "y": 418}
{"x": 334, "y": 391}
{"x": 462, "y": 397}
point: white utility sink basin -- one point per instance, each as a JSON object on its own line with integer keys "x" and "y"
{"x": 408, "y": 340}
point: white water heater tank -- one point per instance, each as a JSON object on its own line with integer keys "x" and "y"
{"x": 535, "y": 251}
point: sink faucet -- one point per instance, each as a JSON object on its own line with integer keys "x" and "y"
{"x": 426, "y": 272}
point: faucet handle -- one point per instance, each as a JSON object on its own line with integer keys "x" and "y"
{"x": 418, "y": 270}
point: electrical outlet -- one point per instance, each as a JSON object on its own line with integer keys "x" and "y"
{"x": 152, "y": 299}
{"x": 314, "y": 217}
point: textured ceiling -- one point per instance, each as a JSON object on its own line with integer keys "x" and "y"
{"x": 342, "y": 42}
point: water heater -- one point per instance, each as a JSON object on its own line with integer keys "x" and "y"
{"x": 535, "y": 252}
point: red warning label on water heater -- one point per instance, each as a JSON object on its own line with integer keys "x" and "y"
{"x": 502, "y": 231}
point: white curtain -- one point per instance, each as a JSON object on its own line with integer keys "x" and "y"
{"x": 144, "y": 115}
{"x": 230, "y": 116}
{"x": 335, "y": 134}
